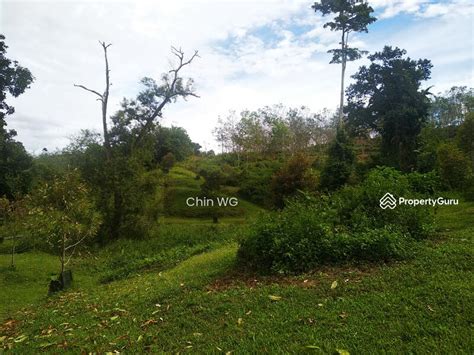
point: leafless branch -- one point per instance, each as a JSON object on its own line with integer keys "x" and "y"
{"x": 172, "y": 88}
{"x": 90, "y": 90}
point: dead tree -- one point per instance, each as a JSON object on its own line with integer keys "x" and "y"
{"x": 103, "y": 98}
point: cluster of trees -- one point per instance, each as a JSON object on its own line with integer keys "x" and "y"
{"x": 270, "y": 131}
{"x": 101, "y": 186}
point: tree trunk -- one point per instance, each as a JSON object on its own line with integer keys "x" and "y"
{"x": 105, "y": 99}
{"x": 343, "y": 72}
{"x": 13, "y": 252}
{"x": 63, "y": 254}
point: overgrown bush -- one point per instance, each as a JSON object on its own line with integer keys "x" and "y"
{"x": 345, "y": 226}
{"x": 454, "y": 168}
{"x": 295, "y": 175}
{"x": 255, "y": 180}
{"x": 301, "y": 237}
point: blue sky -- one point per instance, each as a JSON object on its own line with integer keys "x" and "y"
{"x": 252, "y": 54}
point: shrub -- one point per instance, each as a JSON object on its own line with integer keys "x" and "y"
{"x": 293, "y": 176}
{"x": 364, "y": 210}
{"x": 345, "y": 226}
{"x": 427, "y": 183}
{"x": 255, "y": 180}
{"x": 453, "y": 166}
{"x": 300, "y": 238}
{"x": 167, "y": 162}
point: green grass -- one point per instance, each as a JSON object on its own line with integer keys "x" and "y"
{"x": 182, "y": 185}
{"x": 205, "y": 304}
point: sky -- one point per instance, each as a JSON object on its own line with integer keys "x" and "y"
{"x": 252, "y": 54}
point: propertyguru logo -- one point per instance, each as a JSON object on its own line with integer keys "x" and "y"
{"x": 389, "y": 201}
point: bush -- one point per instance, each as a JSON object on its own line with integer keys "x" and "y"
{"x": 293, "y": 176}
{"x": 299, "y": 238}
{"x": 346, "y": 226}
{"x": 427, "y": 183}
{"x": 255, "y": 180}
{"x": 453, "y": 166}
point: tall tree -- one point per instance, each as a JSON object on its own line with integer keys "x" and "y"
{"x": 387, "y": 99}
{"x": 14, "y": 160}
{"x": 350, "y": 16}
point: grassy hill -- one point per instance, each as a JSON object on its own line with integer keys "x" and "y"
{"x": 182, "y": 184}
{"x": 197, "y": 300}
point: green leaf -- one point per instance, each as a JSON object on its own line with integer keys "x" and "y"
{"x": 342, "y": 352}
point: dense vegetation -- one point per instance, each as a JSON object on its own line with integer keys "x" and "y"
{"x": 154, "y": 273}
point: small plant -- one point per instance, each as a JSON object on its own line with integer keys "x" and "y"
{"x": 63, "y": 214}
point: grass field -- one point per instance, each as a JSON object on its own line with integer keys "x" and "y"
{"x": 200, "y": 301}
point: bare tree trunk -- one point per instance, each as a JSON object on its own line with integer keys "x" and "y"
{"x": 13, "y": 252}
{"x": 104, "y": 99}
{"x": 63, "y": 253}
{"x": 343, "y": 72}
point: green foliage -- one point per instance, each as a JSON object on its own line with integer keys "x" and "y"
{"x": 62, "y": 214}
{"x": 465, "y": 137}
{"x": 339, "y": 163}
{"x": 255, "y": 181}
{"x": 15, "y": 162}
{"x": 299, "y": 239}
{"x": 15, "y": 79}
{"x": 167, "y": 162}
{"x": 449, "y": 109}
{"x": 387, "y": 98}
{"x": 348, "y": 225}
{"x": 454, "y": 168}
{"x": 270, "y": 131}
{"x": 350, "y": 16}
{"x": 427, "y": 183}
{"x": 295, "y": 175}
{"x": 173, "y": 140}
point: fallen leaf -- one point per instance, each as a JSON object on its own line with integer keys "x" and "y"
{"x": 342, "y": 352}
{"x": 333, "y": 285}
{"x": 21, "y": 338}
{"x": 274, "y": 298}
{"x": 46, "y": 345}
{"x": 240, "y": 321}
{"x": 343, "y": 315}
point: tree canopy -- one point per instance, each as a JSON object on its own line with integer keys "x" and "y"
{"x": 387, "y": 99}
